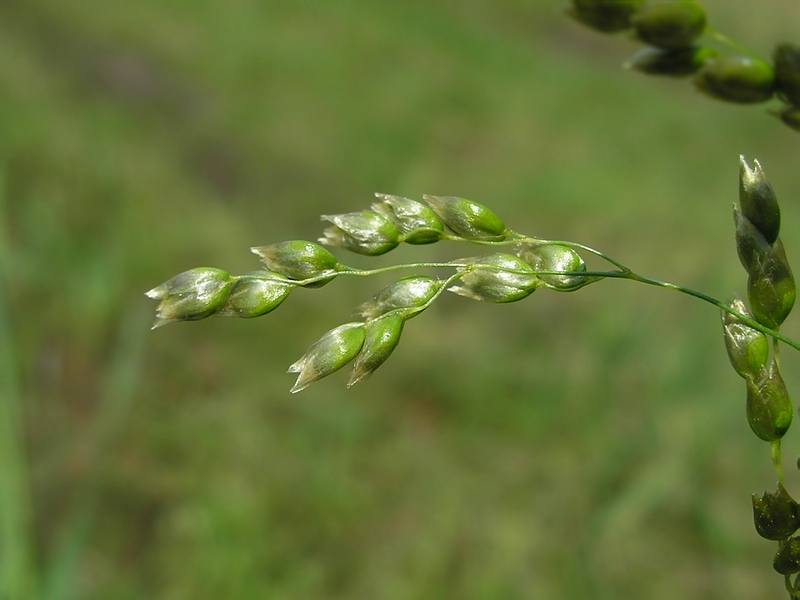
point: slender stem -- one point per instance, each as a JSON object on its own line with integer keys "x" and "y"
{"x": 389, "y": 269}
{"x": 626, "y": 273}
{"x": 775, "y": 452}
{"x": 516, "y": 238}
{"x": 605, "y": 257}
{"x": 270, "y": 276}
{"x": 718, "y": 303}
{"x": 724, "y": 39}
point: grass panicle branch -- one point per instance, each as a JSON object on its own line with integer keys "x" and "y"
{"x": 520, "y": 265}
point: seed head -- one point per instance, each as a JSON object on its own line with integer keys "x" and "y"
{"x": 255, "y": 294}
{"x": 776, "y": 514}
{"x": 751, "y": 246}
{"x": 328, "y": 354}
{"x": 555, "y": 257}
{"x": 790, "y": 115}
{"x": 467, "y": 219}
{"x": 496, "y": 278}
{"x": 362, "y": 232}
{"x": 739, "y": 79}
{"x": 417, "y": 223}
{"x": 299, "y": 260}
{"x": 407, "y": 295}
{"x": 748, "y": 348}
{"x": 382, "y": 337}
{"x": 769, "y": 408}
{"x": 191, "y": 295}
{"x": 607, "y": 16}
{"x": 758, "y": 201}
{"x": 771, "y": 287}
{"x": 787, "y": 72}
{"x": 670, "y": 25}
{"x": 672, "y": 63}
{"x": 787, "y": 559}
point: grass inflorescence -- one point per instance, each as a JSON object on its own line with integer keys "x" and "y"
{"x": 523, "y": 265}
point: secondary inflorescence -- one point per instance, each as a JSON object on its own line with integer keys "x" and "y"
{"x": 678, "y": 43}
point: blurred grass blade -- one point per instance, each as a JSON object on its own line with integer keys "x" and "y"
{"x": 17, "y": 564}
{"x": 119, "y": 386}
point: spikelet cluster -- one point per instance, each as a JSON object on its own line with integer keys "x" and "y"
{"x": 771, "y": 294}
{"x": 369, "y": 340}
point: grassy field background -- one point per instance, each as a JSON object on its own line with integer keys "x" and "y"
{"x": 589, "y": 445}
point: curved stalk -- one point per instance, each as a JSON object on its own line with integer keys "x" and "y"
{"x": 623, "y": 273}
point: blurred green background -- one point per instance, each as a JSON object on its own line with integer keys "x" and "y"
{"x": 587, "y": 445}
